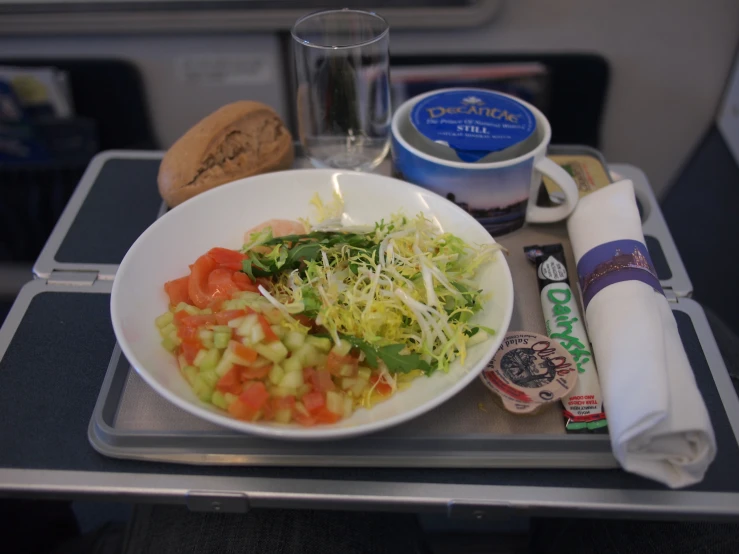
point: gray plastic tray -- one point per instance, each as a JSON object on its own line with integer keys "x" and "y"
{"x": 470, "y": 430}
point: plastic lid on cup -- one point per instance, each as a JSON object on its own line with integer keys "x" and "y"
{"x": 473, "y": 122}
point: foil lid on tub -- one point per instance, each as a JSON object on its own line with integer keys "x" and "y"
{"x": 530, "y": 371}
{"x": 473, "y": 122}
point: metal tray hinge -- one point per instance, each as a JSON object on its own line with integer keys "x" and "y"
{"x": 217, "y": 501}
{"x": 72, "y": 278}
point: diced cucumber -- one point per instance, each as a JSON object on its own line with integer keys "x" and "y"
{"x": 335, "y": 402}
{"x": 165, "y": 319}
{"x": 278, "y": 330}
{"x": 191, "y": 372}
{"x": 256, "y": 334}
{"x": 260, "y": 362}
{"x": 233, "y": 304}
{"x": 359, "y": 388}
{"x": 342, "y": 349}
{"x": 347, "y": 383}
{"x": 199, "y": 357}
{"x": 292, "y": 364}
{"x": 206, "y": 311}
{"x": 209, "y": 377}
{"x": 305, "y": 389}
{"x": 202, "y": 389}
{"x": 274, "y": 351}
{"x": 281, "y": 392}
{"x": 230, "y": 398}
{"x": 206, "y": 338}
{"x": 308, "y": 355}
{"x": 348, "y": 406}
{"x": 283, "y": 416}
{"x": 276, "y": 374}
{"x": 192, "y": 310}
{"x": 294, "y": 340}
{"x": 364, "y": 373}
{"x": 182, "y": 361}
{"x": 236, "y": 322}
{"x": 169, "y": 344}
{"x": 292, "y": 379}
{"x": 217, "y": 399}
{"x": 221, "y": 329}
{"x": 174, "y": 338}
{"x": 221, "y": 339}
{"x": 347, "y": 370}
{"x": 243, "y": 325}
{"x": 225, "y": 365}
{"x": 274, "y": 316}
{"x": 167, "y": 329}
{"x": 321, "y": 343}
{"x": 301, "y": 409}
{"x": 210, "y": 360}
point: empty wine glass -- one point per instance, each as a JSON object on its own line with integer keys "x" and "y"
{"x": 343, "y": 96}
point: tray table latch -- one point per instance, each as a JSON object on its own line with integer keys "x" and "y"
{"x": 217, "y": 501}
{"x": 72, "y": 278}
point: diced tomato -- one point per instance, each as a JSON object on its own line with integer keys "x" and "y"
{"x": 188, "y": 334}
{"x": 241, "y": 411}
{"x": 221, "y": 283}
{"x": 190, "y": 349}
{"x": 308, "y": 373}
{"x": 198, "y": 283}
{"x": 230, "y": 259}
{"x": 302, "y": 419}
{"x": 322, "y": 381}
{"x": 305, "y": 321}
{"x": 247, "y": 354}
{"x": 178, "y": 290}
{"x": 314, "y": 401}
{"x": 216, "y": 304}
{"x": 335, "y": 362}
{"x": 382, "y": 387}
{"x": 179, "y": 316}
{"x": 251, "y": 373}
{"x": 230, "y": 382}
{"x": 255, "y": 395}
{"x": 283, "y": 402}
{"x": 268, "y": 412}
{"x": 269, "y": 334}
{"x": 199, "y": 320}
{"x": 243, "y": 282}
{"x": 222, "y": 318}
{"x": 324, "y": 415}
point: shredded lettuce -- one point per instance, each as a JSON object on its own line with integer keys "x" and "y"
{"x": 404, "y": 289}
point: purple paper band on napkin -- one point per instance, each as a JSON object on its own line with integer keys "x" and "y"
{"x": 615, "y": 262}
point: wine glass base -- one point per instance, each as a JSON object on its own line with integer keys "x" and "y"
{"x": 347, "y": 161}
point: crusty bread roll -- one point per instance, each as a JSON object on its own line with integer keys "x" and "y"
{"x": 238, "y": 140}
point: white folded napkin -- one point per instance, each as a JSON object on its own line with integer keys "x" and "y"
{"x": 657, "y": 419}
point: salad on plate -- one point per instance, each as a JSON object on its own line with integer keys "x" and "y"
{"x": 307, "y": 323}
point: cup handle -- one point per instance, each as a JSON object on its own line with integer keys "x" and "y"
{"x": 539, "y": 214}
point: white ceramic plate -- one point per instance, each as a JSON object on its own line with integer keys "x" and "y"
{"x": 219, "y": 218}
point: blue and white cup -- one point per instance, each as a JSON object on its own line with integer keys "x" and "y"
{"x": 500, "y": 194}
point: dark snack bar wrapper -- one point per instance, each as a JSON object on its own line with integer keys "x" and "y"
{"x": 583, "y": 407}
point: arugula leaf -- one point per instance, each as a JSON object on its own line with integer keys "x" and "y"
{"x": 369, "y": 351}
{"x": 472, "y": 331}
{"x": 402, "y": 363}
